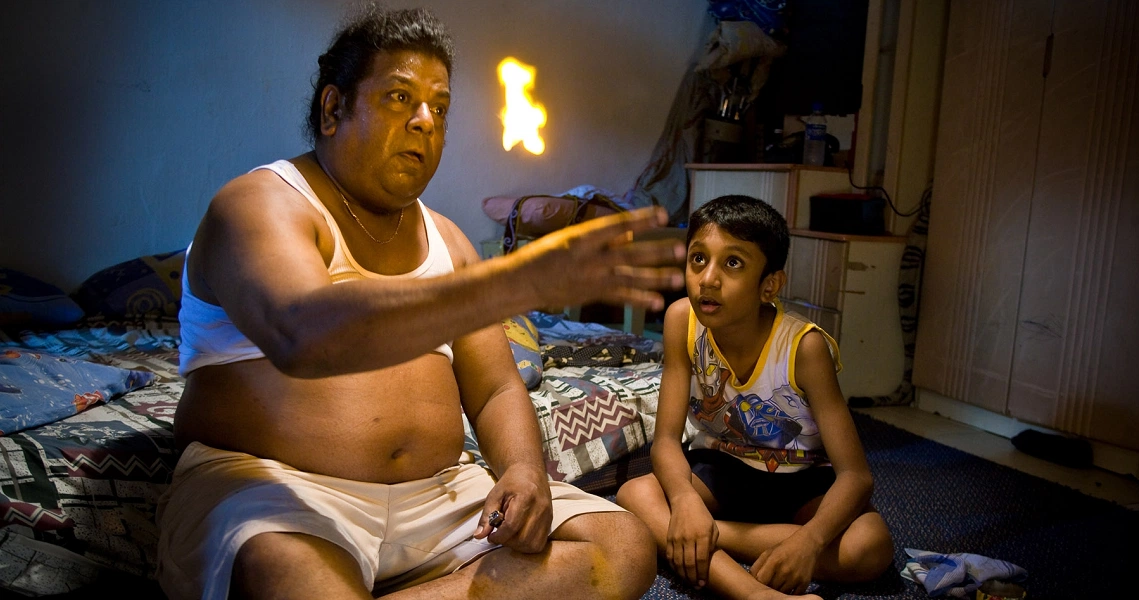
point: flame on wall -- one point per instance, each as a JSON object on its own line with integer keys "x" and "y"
{"x": 521, "y": 118}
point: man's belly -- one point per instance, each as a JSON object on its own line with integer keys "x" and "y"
{"x": 386, "y": 426}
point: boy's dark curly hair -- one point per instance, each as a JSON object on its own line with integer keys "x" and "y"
{"x": 748, "y": 219}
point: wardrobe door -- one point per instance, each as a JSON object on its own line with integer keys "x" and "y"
{"x": 1078, "y": 334}
{"x": 983, "y": 180}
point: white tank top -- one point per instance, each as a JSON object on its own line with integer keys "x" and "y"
{"x": 209, "y": 337}
{"x": 765, "y": 421}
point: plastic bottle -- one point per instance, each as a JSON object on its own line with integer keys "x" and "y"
{"x": 815, "y": 137}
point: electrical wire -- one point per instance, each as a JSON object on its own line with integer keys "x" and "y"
{"x": 926, "y": 196}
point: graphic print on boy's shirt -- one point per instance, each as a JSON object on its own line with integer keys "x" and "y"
{"x": 764, "y": 421}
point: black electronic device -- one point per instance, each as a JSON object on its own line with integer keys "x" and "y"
{"x": 855, "y": 214}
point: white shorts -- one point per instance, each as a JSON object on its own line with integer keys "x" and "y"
{"x": 400, "y": 534}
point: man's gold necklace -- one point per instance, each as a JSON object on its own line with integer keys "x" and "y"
{"x": 361, "y": 224}
{"x": 344, "y": 199}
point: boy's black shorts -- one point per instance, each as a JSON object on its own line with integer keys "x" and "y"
{"x": 748, "y": 495}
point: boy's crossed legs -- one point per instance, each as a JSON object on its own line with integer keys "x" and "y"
{"x": 860, "y": 553}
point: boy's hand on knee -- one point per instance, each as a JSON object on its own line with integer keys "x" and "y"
{"x": 692, "y": 540}
{"x": 789, "y": 566}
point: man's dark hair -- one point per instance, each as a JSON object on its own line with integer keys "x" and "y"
{"x": 748, "y": 219}
{"x": 372, "y": 30}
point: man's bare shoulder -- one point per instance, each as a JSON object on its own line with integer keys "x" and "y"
{"x": 255, "y": 188}
{"x": 261, "y": 201}
{"x": 254, "y": 216}
{"x": 461, "y": 249}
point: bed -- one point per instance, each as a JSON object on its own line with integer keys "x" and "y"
{"x": 81, "y": 476}
{"x": 79, "y": 484}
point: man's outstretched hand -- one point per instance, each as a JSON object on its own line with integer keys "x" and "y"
{"x": 600, "y": 261}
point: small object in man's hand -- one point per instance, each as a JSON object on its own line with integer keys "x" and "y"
{"x": 495, "y": 519}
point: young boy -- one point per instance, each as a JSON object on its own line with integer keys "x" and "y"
{"x": 775, "y": 475}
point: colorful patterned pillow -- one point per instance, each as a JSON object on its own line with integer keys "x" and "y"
{"x": 592, "y": 416}
{"x": 523, "y": 338}
{"x": 37, "y": 388}
{"x": 26, "y": 301}
{"x": 148, "y": 286}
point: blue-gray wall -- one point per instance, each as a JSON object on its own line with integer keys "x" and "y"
{"x": 119, "y": 119}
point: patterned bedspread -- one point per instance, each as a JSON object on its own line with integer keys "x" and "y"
{"x": 79, "y": 495}
{"x": 592, "y": 416}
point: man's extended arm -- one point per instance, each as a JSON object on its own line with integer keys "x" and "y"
{"x": 256, "y": 253}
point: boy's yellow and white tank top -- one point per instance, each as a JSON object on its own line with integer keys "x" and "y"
{"x": 766, "y": 421}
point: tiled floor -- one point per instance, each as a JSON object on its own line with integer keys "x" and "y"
{"x": 1093, "y": 482}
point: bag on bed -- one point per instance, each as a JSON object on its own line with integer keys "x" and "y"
{"x": 567, "y": 209}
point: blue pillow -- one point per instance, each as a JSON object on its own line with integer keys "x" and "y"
{"x": 38, "y": 388}
{"x": 26, "y": 301}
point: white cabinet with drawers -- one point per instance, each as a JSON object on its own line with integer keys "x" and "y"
{"x": 849, "y": 287}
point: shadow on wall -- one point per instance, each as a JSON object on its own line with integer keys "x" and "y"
{"x": 131, "y": 122}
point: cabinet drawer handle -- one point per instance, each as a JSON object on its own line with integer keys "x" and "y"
{"x": 860, "y": 292}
